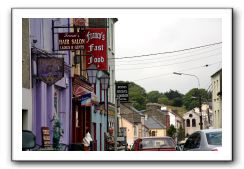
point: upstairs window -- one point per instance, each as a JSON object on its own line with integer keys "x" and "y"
{"x": 188, "y": 123}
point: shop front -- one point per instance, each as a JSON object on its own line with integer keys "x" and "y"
{"x": 82, "y": 102}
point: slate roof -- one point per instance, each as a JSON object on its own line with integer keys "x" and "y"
{"x": 130, "y": 113}
{"x": 152, "y": 123}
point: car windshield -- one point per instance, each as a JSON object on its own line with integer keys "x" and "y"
{"x": 214, "y": 138}
{"x": 158, "y": 143}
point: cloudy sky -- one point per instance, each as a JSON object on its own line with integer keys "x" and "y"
{"x": 152, "y": 34}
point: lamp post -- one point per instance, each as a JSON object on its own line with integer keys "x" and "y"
{"x": 92, "y": 74}
{"x": 199, "y": 95}
{"x": 104, "y": 79}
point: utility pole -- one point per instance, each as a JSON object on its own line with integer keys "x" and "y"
{"x": 116, "y": 124}
{"x": 200, "y": 109}
{"x": 199, "y": 95}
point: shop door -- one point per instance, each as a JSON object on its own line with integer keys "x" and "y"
{"x": 77, "y": 123}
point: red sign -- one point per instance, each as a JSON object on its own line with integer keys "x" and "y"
{"x": 96, "y": 45}
{"x": 71, "y": 41}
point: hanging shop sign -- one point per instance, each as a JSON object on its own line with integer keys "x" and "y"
{"x": 50, "y": 69}
{"x": 96, "y": 47}
{"x": 122, "y": 92}
{"x": 71, "y": 41}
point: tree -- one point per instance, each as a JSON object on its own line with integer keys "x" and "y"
{"x": 191, "y": 98}
{"x": 171, "y": 131}
{"x": 152, "y": 97}
{"x": 177, "y": 102}
{"x": 137, "y": 95}
{"x": 181, "y": 133}
{"x": 172, "y": 94}
{"x": 164, "y": 100}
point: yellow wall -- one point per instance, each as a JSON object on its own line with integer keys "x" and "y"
{"x": 129, "y": 130}
{"x": 159, "y": 132}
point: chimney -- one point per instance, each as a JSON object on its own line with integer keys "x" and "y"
{"x": 146, "y": 116}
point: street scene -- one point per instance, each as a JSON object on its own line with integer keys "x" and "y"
{"x": 116, "y": 84}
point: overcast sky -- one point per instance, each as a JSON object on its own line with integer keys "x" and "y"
{"x": 149, "y": 35}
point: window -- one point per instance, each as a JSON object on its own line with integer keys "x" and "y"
{"x": 188, "y": 123}
{"x": 193, "y": 142}
{"x": 135, "y": 131}
{"x": 153, "y": 133}
{"x": 214, "y": 138}
{"x": 193, "y": 122}
{"x": 190, "y": 115}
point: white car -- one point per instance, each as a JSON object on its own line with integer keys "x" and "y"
{"x": 204, "y": 140}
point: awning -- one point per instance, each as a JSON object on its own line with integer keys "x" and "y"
{"x": 89, "y": 99}
{"x": 84, "y": 92}
{"x": 79, "y": 91}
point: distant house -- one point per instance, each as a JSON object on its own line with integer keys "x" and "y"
{"x": 123, "y": 122}
{"x": 155, "y": 128}
{"x": 154, "y": 110}
{"x": 216, "y": 80}
{"x": 172, "y": 118}
{"x": 133, "y": 121}
{"x": 192, "y": 119}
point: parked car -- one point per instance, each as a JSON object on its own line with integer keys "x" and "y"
{"x": 154, "y": 144}
{"x": 180, "y": 145}
{"x": 204, "y": 140}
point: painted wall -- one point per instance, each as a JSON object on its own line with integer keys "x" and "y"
{"x": 26, "y": 78}
{"x": 129, "y": 130}
{"x": 43, "y": 94}
{"x": 216, "y": 100}
{"x": 111, "y": 54}
{"x": 99, "y": 118}
{"x": 159, "y": 132}
{"x": 189, "y": 130}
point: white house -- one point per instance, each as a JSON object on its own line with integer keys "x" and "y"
{"x": 192, "y": 119}
{"x": 216, "y": 80}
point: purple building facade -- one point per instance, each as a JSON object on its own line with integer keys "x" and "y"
{"x": 53, "y": 100}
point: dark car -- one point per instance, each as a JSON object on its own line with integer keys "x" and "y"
{"x": 154, "y": 144}
{"x": 204, "y": 140}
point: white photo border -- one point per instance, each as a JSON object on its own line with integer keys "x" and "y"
{"x": 18, "y": 155}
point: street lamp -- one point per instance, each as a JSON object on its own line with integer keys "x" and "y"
{"x": 199, "y": 95}
{"x": 92, "y": 73}
{"x": 104, "y": 79}
{"x": 177, "y": 73}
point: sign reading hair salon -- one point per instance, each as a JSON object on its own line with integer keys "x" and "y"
{"x": 71, "y": 41}
{"x": 96, "y": 47}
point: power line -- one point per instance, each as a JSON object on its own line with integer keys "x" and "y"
{"x": 190, "y": 60}
{"x": 170, "y": 73}
{"x": 166, "y": 56}
{"x": 163, "y": 59}
{"x": 175, "y": 51}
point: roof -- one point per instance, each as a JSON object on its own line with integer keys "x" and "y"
{"x": 152, "y": 123}
{"x": 130, "y": 113}
{"x": 192, "y": 112}
{"x": 218, "y": 72}
{"x": 210, "y": 130}
{"x": 155, "y": 137}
